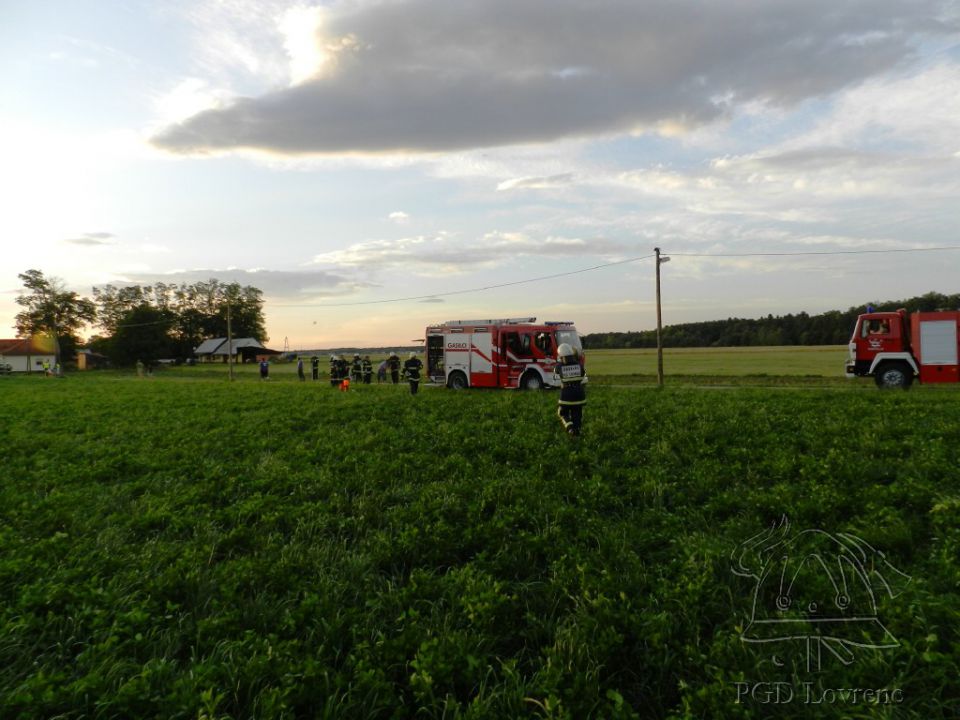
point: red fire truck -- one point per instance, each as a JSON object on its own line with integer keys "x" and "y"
{"x": 507, "y": 353}
{"x": 896, "y": 347}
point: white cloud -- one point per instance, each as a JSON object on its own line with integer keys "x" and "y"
{"x": 300, "y": 27}
{"x": 399, "y": 217}
{"x": 920, "y": 111}
{"x": 537, "y": 183}
{"x": 237, "y": 43}
{"x": 92, "y": 239}
{"x": 275, "y": 284}
{"x": 444, "y": 254}
{"x": 189, "y": 97}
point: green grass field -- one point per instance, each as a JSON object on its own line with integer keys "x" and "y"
{"x": 826, "y": 361}
{"x": 184, "y": 547}
{"x": 781, "y": 365}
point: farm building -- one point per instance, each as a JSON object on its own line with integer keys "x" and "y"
{"x": 244, "y": 350}
{"x": 28, "y": 354}
{"x": 89, "y": 360}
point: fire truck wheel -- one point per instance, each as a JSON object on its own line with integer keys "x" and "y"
{"x": 531, "y": 381}
{"x": 892, "y": 375}
{"x": 457, "y": 381}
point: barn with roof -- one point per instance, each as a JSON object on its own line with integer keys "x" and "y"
{"x": 243, "y": 350}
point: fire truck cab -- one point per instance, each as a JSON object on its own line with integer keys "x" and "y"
{"x": 897, "y": 347}
{"x": 505, "y": 353}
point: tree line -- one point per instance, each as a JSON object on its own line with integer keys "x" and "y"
{"x": 169, "y": 320}
{"x": 830, "y": 328}
{"x": 139, "y": 322}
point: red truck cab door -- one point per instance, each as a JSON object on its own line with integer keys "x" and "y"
{"x": 516, "y": 352}
{"x": 877, "y": 333}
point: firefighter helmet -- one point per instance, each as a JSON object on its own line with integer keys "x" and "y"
{"x": 412, "y": 355}
{"x": 565, "y": 351}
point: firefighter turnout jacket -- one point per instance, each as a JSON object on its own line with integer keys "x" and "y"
{"x": 412, "y": 368}
{"x": 570, "y": 373}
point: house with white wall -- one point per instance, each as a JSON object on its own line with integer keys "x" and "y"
{"x": 27, "y": 354}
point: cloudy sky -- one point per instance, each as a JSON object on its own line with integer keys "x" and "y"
{"x": 343, "y": 153}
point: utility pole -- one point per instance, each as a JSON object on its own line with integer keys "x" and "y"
{"x": 660, "y": 260}
{"x": 56, "y": 342}
{"x": 229, "y": 341}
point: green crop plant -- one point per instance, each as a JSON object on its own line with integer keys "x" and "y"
{"x": 183, "y": 547}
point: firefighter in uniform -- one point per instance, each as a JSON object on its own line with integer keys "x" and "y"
{"x": 367, "y": 370}
{"x": 315, "y": 367}
{"x": 356, "y": 369}
{"x": 393, "y": 364}
{"x": 411, "y": 371}
{"x": 334, "y": 371}
{"x": 569, "y": 370}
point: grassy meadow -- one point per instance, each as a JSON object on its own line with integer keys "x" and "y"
{"x": 184, "y": 547}
{"x": 824, "y": 361}
{"x": 818, "y": 365}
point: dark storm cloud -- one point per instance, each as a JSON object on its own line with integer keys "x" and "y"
{"x": 434, "y": 75}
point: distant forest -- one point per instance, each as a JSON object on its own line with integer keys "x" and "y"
{"x": 829, "y": 328}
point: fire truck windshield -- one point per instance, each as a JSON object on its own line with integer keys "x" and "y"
{"x": 571, "y": 338}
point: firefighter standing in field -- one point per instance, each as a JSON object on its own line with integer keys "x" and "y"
{"x": 356, "y": 369}
{"x": 393, "y": 364}
{"x": 411, "y": 371}
{"x": 573, "y": 397}
{"x": 367, "y": 370}
{"x": 315, "y": 367}
{"x": 334, "y": 371}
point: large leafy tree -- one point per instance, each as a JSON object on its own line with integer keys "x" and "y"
{"x": 113, "y": 303}
{"x": 48, "y": 307}
{"x": 246, "y": 312}
{"x": 142, "y": 334}
{"x": 201, "y": 312}
{"x": 187, "y": 314}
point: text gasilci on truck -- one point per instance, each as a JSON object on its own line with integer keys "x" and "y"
{"x": 504, "y": 353}
{"x": 897, "y": 347}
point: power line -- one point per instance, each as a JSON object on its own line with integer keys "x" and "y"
{"x": 144, "y": 324}
{"x": 816, "y": 252}
{"x": 611, "y": 264}
{"x": 472, "y": 290}
{"x": 585, "y": 270}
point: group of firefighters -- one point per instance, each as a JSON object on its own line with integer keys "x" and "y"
{"x": 569, "y": 370}
{"x": 343, "y": 371}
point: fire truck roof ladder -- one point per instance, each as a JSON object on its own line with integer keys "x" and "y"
{"x": 501, "y": 321}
